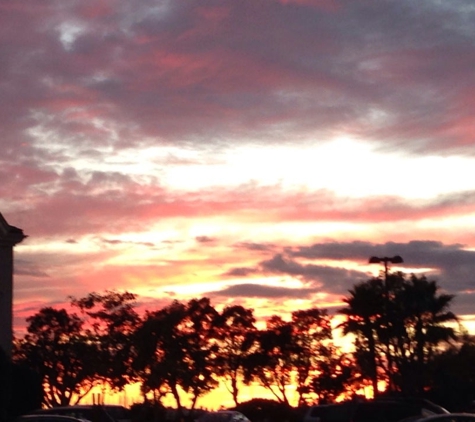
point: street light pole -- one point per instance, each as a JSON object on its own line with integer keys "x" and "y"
{"x": 386, "y": 260}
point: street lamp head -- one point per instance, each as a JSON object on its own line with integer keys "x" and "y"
{"x": 394, "y": 260}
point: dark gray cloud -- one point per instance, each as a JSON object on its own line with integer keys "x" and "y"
{"x": 256, "y": 246}
{"x": 191, "y": 70}
{"x": 336, "y": 250}
{"x": 240, "y": 272}
{"x": 30, "y": 269}
{"x": 119, "y": 242}
{"x": 453, "y": 265}
{"x": 462, "y": 304}
{"x": 260, "y": 291}
{"x": 336, "y": 280}
{"x": 84, "y": 81}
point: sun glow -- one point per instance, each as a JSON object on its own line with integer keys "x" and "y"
{"x": 216, "y": 399}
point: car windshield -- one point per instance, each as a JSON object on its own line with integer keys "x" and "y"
{"x": 119, "y": 413}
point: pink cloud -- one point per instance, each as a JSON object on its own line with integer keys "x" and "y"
{"x": 112, "y": 202}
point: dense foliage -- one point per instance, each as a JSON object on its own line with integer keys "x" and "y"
{"x": 399, "y": 325}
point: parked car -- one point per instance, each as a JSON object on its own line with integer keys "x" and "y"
{"x": 380, "y": 410}
{"x": 119, "y": 413}
{"x": 450, "y": 417}
{"x": 47, "y": 418}
{"x": 223, "y": 416}
{"x": 91, "y": 413}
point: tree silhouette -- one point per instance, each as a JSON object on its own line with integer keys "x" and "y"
{"x": 61, "y": 354}
{"x": 452, "y": 376}
{"x": 335, "y": 376}
{"x": 363, "y": 320}
{"x": 312, "y": 333}
{"x": 174, "y": 350}
{"x": 200, "y": 366}
{"x": 290, "y": 352}
{"x": 419, "y": 317}
{"x": 112, "y": 320}
{"x": 183, "y": 349}
{"x": 235, "y": 333}
{"x": 272, "y": 361}
{"x": 398, "y": 325}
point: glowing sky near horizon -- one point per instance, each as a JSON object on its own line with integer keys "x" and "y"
{"x": 251, "y": 152}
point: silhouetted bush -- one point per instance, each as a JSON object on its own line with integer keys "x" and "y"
{"x": 20, "y": 389}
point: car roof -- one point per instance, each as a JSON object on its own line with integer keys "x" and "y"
{"x": 450, "y": 417}
{"x": 376, "y": 410}
{"x": 47, "y": 418}
{"x": 81, "y": 412}
{"x": 223, "y": 416}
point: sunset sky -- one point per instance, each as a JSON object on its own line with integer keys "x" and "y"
{"x": 255, "y": 152}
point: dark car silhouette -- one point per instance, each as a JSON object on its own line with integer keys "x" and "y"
{"x": 380, "y": 410}
{"x": 91, "y": 413}
{"x": 223, "y": 416}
